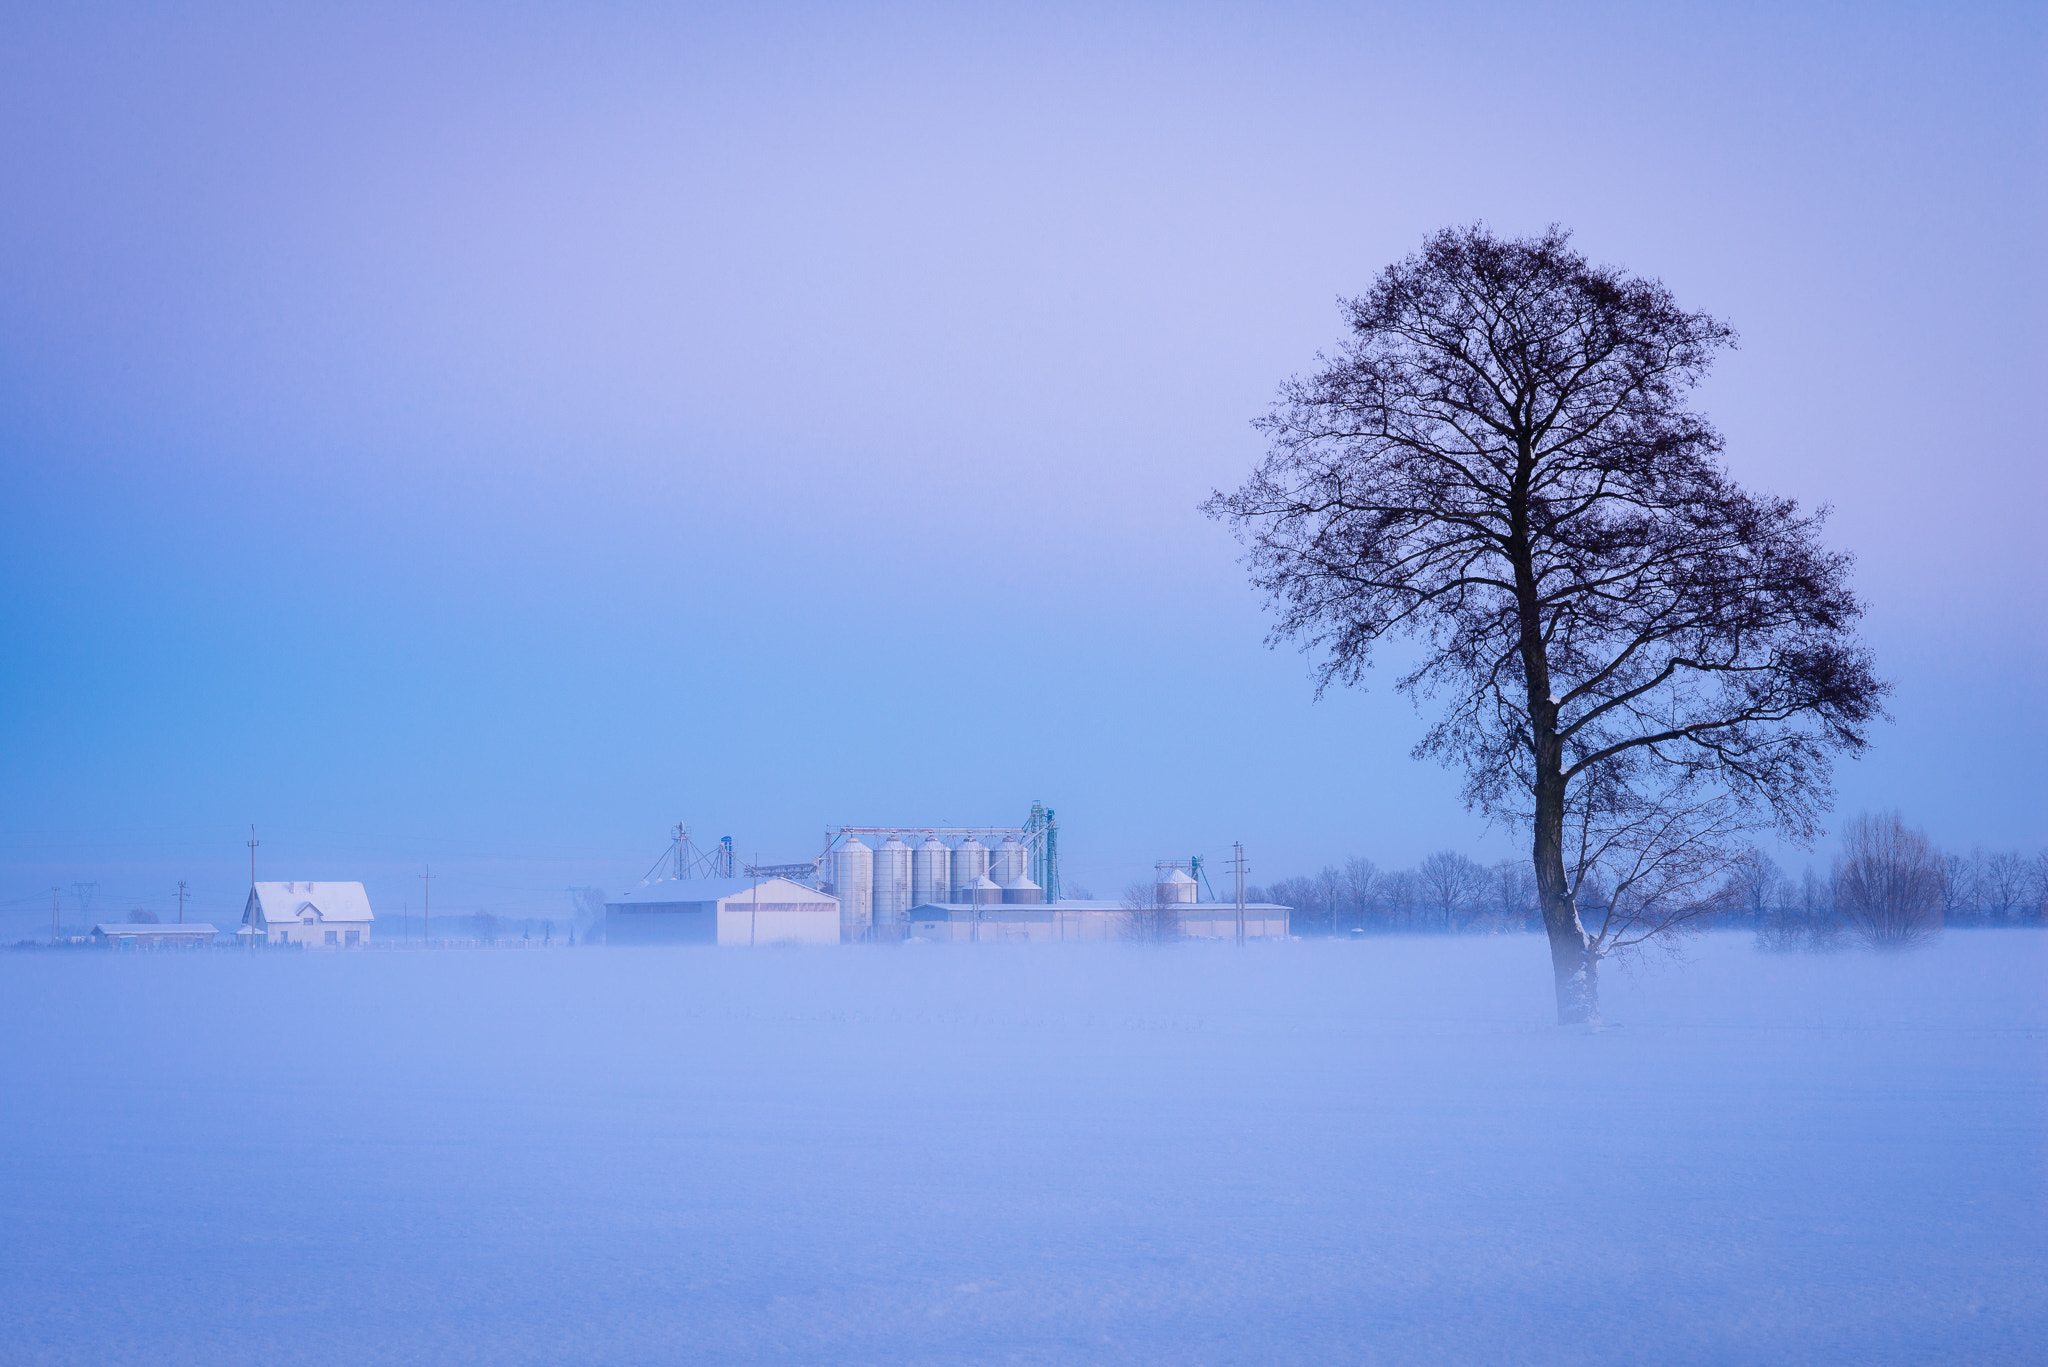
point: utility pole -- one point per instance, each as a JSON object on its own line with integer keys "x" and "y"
{"x": 1237, "y": 862}
{"x": 181, "y": 901}
{"x": 53, "y": 916}
{"x": 427, "y": 906}
{"x": 246, "y": 914}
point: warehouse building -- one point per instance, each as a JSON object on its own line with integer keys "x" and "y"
{"x": 1017, "y": 911}
{"x": 722, "y": 911}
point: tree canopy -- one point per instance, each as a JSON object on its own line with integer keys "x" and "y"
{"x": 1631, "y": 655}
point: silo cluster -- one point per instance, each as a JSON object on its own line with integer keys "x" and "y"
{"x": 878, "y": 885}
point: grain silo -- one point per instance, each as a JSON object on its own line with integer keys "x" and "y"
{"x": 1021, "y": 891}
{"x": 1010, "y": 861}
{"x": 970, "y": 866}
{"x": 931, "y": 872}
{"x": 892, "y": 882}
{"x": 853, "y": 881}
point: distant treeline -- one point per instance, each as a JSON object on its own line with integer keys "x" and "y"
{"x": 1451, "y": 893}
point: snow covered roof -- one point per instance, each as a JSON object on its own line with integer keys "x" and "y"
{"x": 670, "y": 891}
{"x": 295, "y": 903}
{"x": 113, "y": 928}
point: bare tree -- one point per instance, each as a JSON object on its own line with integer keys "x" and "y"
{"x": 1888, "y": 882}
{"x": 1756, "y": 885}
{"x": 1399, "y": 896}
{"x": 1306, "y": 896}
{"x": 1513, "y": 888}
{"x": 1452, "y": 883}
{"x": 2005, "y": 886}
{"x": 1501, "y": 465}
{"x": 1960, "y": 887}
{"x": 587, "y": 909}
{"x": 1148, "y": 916}
{"x": 1332, "y": 891}
{"x": 142, "y": 916}
{"x": 1361, "y": 887}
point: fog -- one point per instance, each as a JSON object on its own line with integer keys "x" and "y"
{"x": 1304, "y": 1152}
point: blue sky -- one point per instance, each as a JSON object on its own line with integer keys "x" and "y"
{"x": 490, "y": 434}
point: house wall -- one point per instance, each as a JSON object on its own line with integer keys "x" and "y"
{"x": 314, "y": 936}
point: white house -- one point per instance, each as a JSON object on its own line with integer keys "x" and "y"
{"x": 319, "y": 915}
{"x": 722, "y": 911}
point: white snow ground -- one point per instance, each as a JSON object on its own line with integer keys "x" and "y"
{"x": 1309, "y": 1153}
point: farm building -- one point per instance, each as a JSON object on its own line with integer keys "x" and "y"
{"x": 128, "y": 935}
{"x": 998, "y": 922}
{"x": 722, "y": 911}
{"x": 317, "y": 915}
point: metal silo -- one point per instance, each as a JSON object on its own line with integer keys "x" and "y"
{"x": 970, "y": 865}
{"x": 931, "y": 872}
{"x": 853, "y": 880}
{"x": 1023, "y": 891}
{"x": 982, "y": 892}
{"x": 1176, "y": 886}
{"x": 1009, "y": 861}
{"x": 892, "y": 882}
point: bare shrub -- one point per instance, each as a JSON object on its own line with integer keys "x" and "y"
{"x": 1888, "y": 882}
{"x": 1148, "y": 918}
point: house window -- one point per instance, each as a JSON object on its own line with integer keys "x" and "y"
{"x": 332, "y": 939}
{"x": 355, "y": 937}
{"x": 284, "y": 937}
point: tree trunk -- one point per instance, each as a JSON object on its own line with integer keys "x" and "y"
{"x": 1572, "y": 961}
{"x": 1571, "y": 950}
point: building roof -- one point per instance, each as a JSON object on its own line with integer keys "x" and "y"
{"x": 289, "y": 904}
{"x": 111, "y": 928}
{"x": 675, "y": 891}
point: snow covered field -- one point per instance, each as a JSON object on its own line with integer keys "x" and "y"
{"x": 1305, "y": 1153}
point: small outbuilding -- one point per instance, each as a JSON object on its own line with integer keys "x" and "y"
{"x": 129, "y": 935}
{"x": 722, "y": 911}
{"x": 317, "y": 915}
